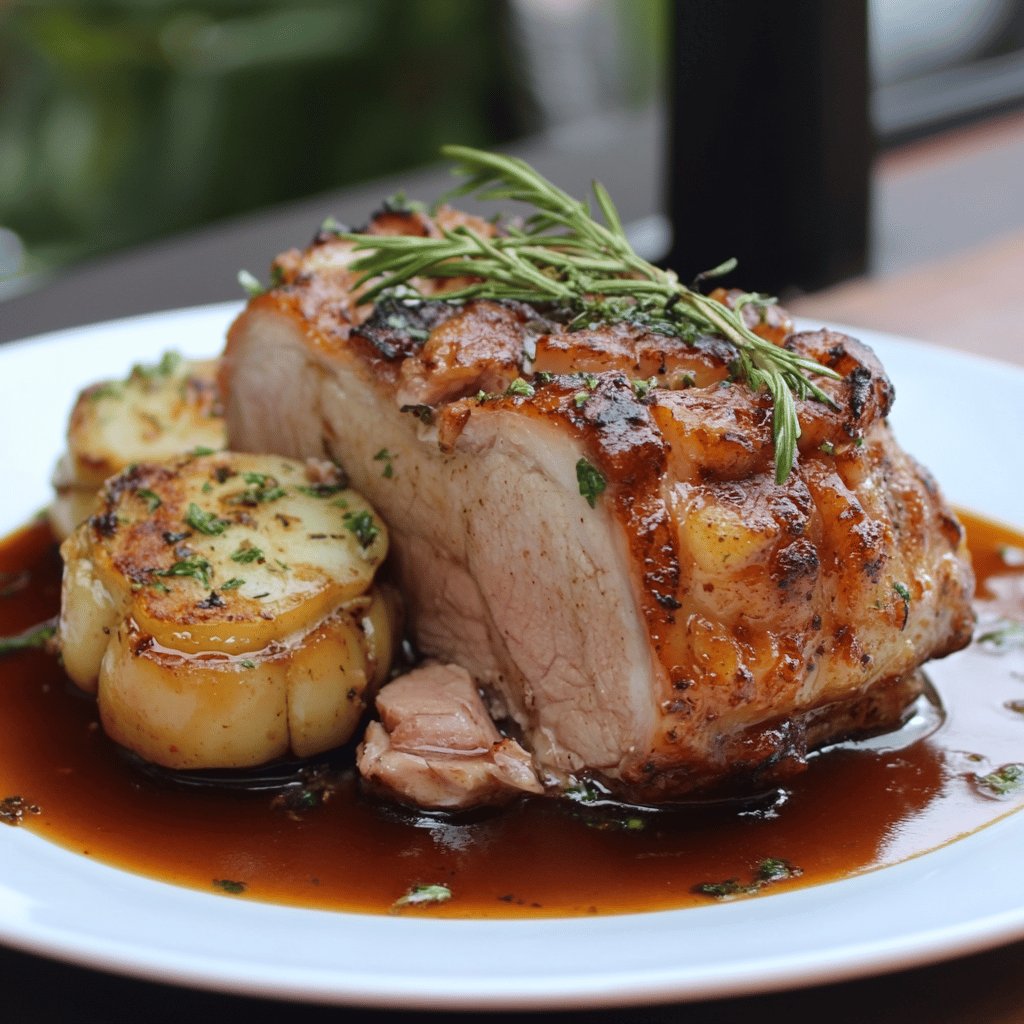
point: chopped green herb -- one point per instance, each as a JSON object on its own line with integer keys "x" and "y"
{"x": 246, "y": 554}
{"x": 262, "y": 488}
{"x": 385, "y": 456}
{"x": 197, "y": 568}
{"x": 271, "y": 494}
{"x": 201, "y": 450}
{"x": 30, "y": 639}
{"x": 229, "y": 886}
{"x": 319, "y": 490}
{"x": 769, "y": 871}
{"x": 1005, "y": 633}
{"x": 580, "y": 398}
{"x": 1004, "y": 781}
{"x": 590, "y": 480}
{"x": 773, "y": 870}
{"x": 232, "y": 584}
{"x": 169, "y": 363}
{"x": 151, "y": 498}
{"x": 250, "y": 284}
{"x": 520, "y": 387}
{"x": 248, "y": 663}
{"x": 642, "y": 388}
{"x": 401, "y": 203}
{"x": 333, "y": 226}
{"x": 903, "y": 593}
{"x": 109, "y": 389}
{"x": 419, "y": 895}
{"x": 205, "y": 522}
{"x": 362, "y": 525}
{"x": 827, "y": 448}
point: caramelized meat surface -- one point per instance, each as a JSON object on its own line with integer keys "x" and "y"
{"x": 588, "y": 522}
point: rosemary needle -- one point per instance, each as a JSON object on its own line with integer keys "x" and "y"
{"x": 563, "y": 254}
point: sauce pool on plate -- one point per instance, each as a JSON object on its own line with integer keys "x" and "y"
{"x": 320, "y": 841}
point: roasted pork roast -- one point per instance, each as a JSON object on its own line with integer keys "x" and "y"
{"x": 587, "y": 521}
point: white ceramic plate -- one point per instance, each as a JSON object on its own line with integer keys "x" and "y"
{"x": 963, "y": 417}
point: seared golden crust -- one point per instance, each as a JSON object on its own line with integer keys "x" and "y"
{"x": 748, "y": 586}
{"x": 222, "y": 609}
{"x": 208, "y": 514}
{"x": 157, "y": 412}
{"x": 762, "y": 602}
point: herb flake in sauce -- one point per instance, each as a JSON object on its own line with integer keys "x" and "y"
{"x": 421, "y": 895}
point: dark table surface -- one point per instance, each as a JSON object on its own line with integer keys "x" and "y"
{"x": 200, "y": 267}
{"x": 982, "y": 989}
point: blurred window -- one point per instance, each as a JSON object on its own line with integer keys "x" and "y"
{"x": 938, "y": 63}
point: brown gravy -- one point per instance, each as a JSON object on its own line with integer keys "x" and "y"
{"x": 852, "y": 810}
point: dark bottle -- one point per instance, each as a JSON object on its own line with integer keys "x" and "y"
{"x": 770, "y": 141}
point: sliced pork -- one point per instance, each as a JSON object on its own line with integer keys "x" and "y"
{"x": 435, "y": 745}
{"x": 588, "y": 522}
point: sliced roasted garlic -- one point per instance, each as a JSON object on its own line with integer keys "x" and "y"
{"x": 222, "y": 608}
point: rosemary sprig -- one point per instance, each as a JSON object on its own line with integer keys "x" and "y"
{"x": 563, "y": 254}
{"x": 36, "y": 637}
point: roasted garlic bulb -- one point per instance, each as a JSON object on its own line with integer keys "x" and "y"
{"x": 156, "y": 413}
{"x": 223, "y": 609}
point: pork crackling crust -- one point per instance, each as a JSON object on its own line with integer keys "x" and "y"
{"x": 588, "y": 520}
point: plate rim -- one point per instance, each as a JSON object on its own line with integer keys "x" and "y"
{"x": 988, "y": 931}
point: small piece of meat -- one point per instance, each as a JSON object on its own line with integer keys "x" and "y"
{"x": 589, "y": 523}
{"x": 436, "y": 746}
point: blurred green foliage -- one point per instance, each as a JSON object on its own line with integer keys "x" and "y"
{"x": 124, "y": 120}
{"x": 121, "y": 121}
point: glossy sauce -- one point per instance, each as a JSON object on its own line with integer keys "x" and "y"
{"x": 851, "y": 811}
